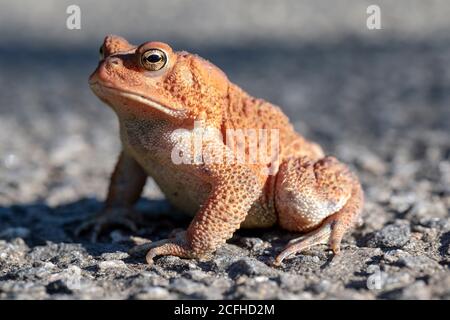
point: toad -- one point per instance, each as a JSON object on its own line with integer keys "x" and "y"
{"x": 163, "y": 99}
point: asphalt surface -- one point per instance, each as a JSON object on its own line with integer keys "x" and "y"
{"x": 378, "y": 100}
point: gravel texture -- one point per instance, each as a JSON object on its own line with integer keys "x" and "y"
{"x": 377, "y": 100}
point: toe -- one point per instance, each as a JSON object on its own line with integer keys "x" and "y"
{"x": 319, "y": 236}
{"x": 143, "y": 248}
{"x": 169, "y": 248}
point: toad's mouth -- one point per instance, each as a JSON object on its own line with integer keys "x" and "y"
{"x": 103, "y": 90}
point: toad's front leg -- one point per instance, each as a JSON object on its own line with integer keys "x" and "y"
{"x": 235, "y": 189}
{"x": 322, "y": 198}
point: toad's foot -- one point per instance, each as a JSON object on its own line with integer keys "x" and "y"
{"x": 175, "y": 246}
{"x": 330, "y": 232}
{"x": 121, "y": 217}
{"x": 322, "y": 197}
{"x": 323, "y": 235}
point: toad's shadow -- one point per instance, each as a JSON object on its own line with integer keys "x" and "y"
{"x": 38, "y": 224}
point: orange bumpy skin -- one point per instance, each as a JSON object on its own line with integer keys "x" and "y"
{"x": 155, "y": 92}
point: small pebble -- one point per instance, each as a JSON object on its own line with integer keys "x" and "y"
{"x": 118, "y": 255}
{"x": 153, "y": 293}
{"x": 391, "y": 236}
{"x": 112, "y": 264}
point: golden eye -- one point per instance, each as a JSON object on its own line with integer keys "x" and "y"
{"x": 153, "y": 59}
{"x": 102, "y": 53}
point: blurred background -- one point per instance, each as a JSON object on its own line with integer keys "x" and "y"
{"x": 377, "y": 99}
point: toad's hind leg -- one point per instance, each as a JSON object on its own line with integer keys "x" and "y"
{"x": 320, "y": 197}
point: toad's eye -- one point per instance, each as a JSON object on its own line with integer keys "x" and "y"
{"x": 101, "y": 53}
{"x": 153, "y": 59}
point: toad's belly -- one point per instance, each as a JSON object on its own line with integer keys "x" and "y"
{"x": 184, "y": 190}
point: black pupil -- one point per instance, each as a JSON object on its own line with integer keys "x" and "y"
{"x": 154, "y": 58}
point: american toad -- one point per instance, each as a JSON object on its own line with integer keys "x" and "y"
{"x": 163, "y": 99}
